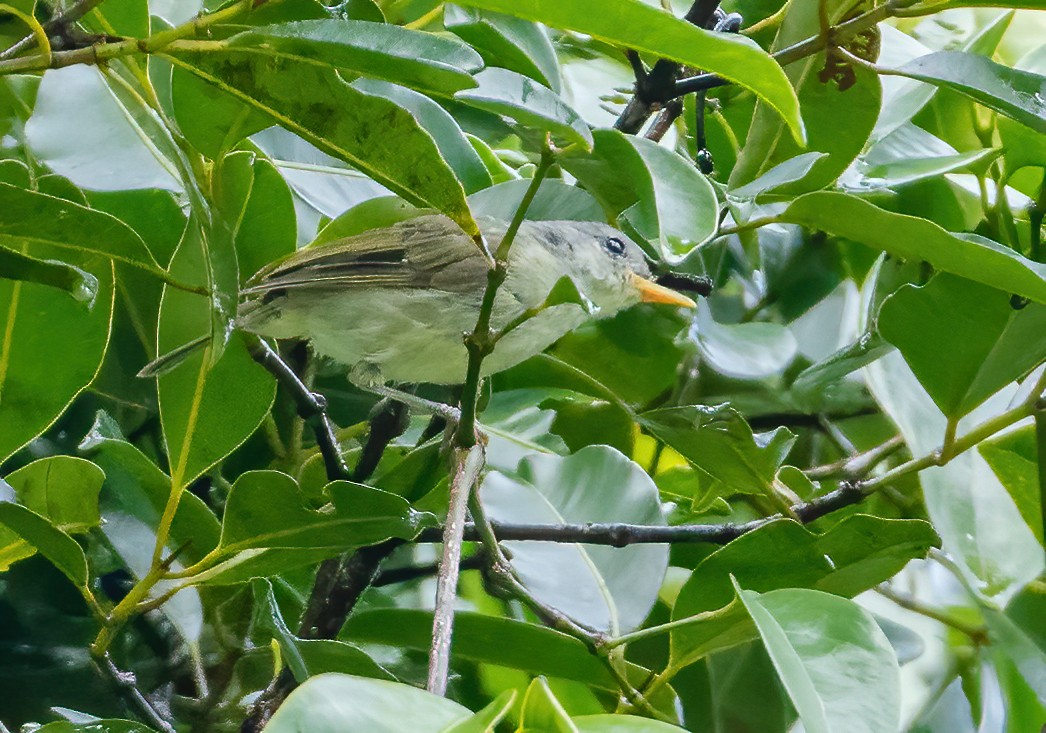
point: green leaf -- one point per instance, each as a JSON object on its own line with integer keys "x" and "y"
{"x": 542, "y": 712}
{"x": 489, "y": 639}
{"x": 455, "y": 148}
{"x": 910, "y": 237}
{"x": 786, "y": 172}
{"x": 82, "y": 286}
{"x": 115, "y": 147}
{"x": 1014, "y": 458}
{"x": 813, "y": 382}
{"x": 720, "y": 442}
{"x": 508, "y": 42}
{"x": 1026, "y": 655}
{"x": 1012, "y": 92}
{"x": 206, "y": 410}
{"x": 40, "y": 325}
{"x": 257, "y": 205}
{"x": 743, "y": 350}
{"x": 835, "y": 662}
{"x": 606, "y": 588}
{"x": 554, "y": 201}
{"x": 54, "y": 544}
{"x": 107, "y": 725}
{"x": 507, "y": 93}
{"x": 960, "y": 368}
{"x": 340, "y": 703}
{"x": 309, "y": 657}
{"x": 264, "y": 510}
{"x": 135, "y": 492}
{"x": 416, "y": 59}
{"x": 64, "y": 489}
{"x": 856, "y": 554}
{"x": 620, "y": 724}
{"x": 34, "y": 219}
{"x": 979, "y": 524}
{"x": 635, "y": 25}
{"x": 660, "y": 195}
{"x": 380, "y": 138}
{"x": 838, "y": 122}
{"x": 486, "y": 719}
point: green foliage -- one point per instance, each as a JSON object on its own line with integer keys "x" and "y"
{"x": 697, "y": 507}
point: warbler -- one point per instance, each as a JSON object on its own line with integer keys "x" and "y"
{"x": 393, "y": 304}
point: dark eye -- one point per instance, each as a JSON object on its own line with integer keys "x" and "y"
{"x": 614, "y": 246}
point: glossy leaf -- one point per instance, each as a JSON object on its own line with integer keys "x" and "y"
{"x": 910, "y": 237}
{"x": 136, "y": 488}
{"x": 1014, "y": 458}
{"x": 44, "y": 326}
{"x": 316, "y": 104}
{"x": 742, "y": 350}
{"x": 508, "y": 42}
{"x": 838, "y": 121}
{"x": 554, "y": 201}
{"x": 340, "y": 703}
{"x": 835, "y": 662}
{"x": 854, "y": 555}
{"x": 49, "y": 541}
{"x": 979, "y": 524}
{"x": 606, "y": 588}
{"x": 487, "y": 718}
{"x": 507, "y": 93}
{"x": 1028, "y": 657}
{"x": 63, "y": 489}
{"x": 36, "y": 219}
{"x": 449, "y": 137}
{"x": 961, "y": 368}
{"x": 1012, "y": 92}
{"x": 256, "y": 202}
{"x": 542, "y": 712}
{"x": 720, "y": 442}
{"x": 481, "y": 638}
{"x": 637, "y": 25}
{"x": 264, "y": 510}
{"x": 112, "y": 150}
{"x": 81, "y": 286}
{"x": 206, "y": 411}
{"x": 621, "y": 724}
{"x": 412, "y": 58}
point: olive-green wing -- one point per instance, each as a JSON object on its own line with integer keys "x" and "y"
{"x": 427, "y": 252}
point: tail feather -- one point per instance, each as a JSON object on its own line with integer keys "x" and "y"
{"x": 163, "y": 364}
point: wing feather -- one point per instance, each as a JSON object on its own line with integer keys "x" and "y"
{"x": 426, "y": 252}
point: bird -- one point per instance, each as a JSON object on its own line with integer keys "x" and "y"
{"x": 392, "y": 305}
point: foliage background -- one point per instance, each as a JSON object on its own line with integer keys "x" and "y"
{"x": 854, "y": 413}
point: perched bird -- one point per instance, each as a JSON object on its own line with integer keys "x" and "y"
{"x": 392, "y": 304}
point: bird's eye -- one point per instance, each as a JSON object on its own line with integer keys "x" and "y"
{"x": 614, "y": 246}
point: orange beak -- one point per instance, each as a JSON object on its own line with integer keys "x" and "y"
{"x": 651, "y": 292}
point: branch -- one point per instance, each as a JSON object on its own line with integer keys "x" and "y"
{"x": 623, "y": 535}
{"x": 126, "y": 686}
{"x": 312, "y": 407}
{"x": 59, "y": 24}
{"x": 102, "y": 52}
{"x": 651, "y": 87}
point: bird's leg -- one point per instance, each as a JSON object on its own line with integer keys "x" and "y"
{"x": 447, "y": 412}
{"x": 368, "y": 377}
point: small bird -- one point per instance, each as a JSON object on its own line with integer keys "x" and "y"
{"x": 393, "y": 304}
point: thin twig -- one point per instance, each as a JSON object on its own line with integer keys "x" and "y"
{"x": 977, "y": 634}
{"x": 468, "y": 463}
{"x": 127, "y": 686}
{"x": 58, "y": 23}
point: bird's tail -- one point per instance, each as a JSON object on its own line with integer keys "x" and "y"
{"x": 163, "y": 364}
